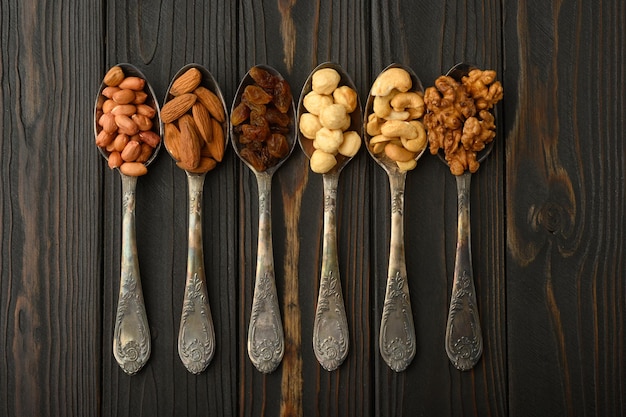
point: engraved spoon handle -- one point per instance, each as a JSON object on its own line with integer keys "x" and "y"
{"x": 266, "y": 344}
{"x": 330, "y": 328}
{"x": 131, "y": 337}
{"x": 196, "y": 336}
{"x": 464, "y": 344}
{"x": 397, "y": 333}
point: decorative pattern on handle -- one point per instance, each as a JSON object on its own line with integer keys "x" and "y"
{"x": 196, "y": 336}
{"x": 330, "y": 327}
{"x": 464, "y": 343}
{"x": 266, "y": 345}
{"x": 397, "y": 340}
{"x": 131, "y": 335}
{"x": 266, "y": 342}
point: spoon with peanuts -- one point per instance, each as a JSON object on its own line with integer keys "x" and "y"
{"x": 128, "y": 135}
{"x": 459, "y": 107}
{"x": 396, "y": 139}
{"x": 194, "y": 116}
{"x": 330, "y": 128}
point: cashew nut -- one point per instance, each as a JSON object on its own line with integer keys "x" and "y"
{"x": 407, "y": 100}
{"x": 397, "y": 78}
{"x": 382, "y": 106}
{"x": 406, "y": 166}
{"x": 399, "y": 128}
{"x": 373, "y": 124}
{"x": 398, "y": 153}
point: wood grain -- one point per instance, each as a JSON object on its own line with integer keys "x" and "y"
{"x": 547, "y": 213}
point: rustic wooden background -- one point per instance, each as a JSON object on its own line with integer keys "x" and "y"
{"x": 548, "y": 210}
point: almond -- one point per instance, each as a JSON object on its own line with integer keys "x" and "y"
{"x": 114, "y": 76}
{"x": 133, "y": 83}
{"x": 216, "y": 146}
{"x": 211, "y": 102}
{"x": 172, "y": 140}
{"x": 202, "y": 118}
{"x": 186, "y": 83}
{"x": 133, "y": 169}
{"x": 206, "y": 164}
{"x": 190, "y": 142}
{"x": 176, "y": 107}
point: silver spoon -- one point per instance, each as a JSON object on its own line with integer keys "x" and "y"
{"x": 330, "y": 328}
{"x": 266, "y": 344}
{"x": 131, "y": 336}
{"x": 397, "y": 333}
{"x": 196, "y": 336}
{"x": 464, "y": 342}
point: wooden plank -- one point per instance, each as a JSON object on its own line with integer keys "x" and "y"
{"x": 565, "y": 209}
{"x": 50, "y": 235}
{"x": 430, "y": 39}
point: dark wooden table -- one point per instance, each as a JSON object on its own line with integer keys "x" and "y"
{"x": 547, "y": 212}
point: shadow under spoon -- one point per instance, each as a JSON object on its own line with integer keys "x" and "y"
{"x": 397, "y": 341}
{"x": 196, "y": 335}
{"x": 131, "y": 335}
{"x": 266, "y": 341}
{"x": 464, "y": 341}
{"x": 330, "y": 327}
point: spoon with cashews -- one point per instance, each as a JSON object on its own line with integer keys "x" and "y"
{"x": 461, "y": 127}
{"x": 128, "y": 135}
{"x": 396, "y": 139}
{"x": 330, "y": 128}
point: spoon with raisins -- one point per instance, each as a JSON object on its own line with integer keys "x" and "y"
{"x": 263, "y": 137}
{"x": 474, "y": 129}
{"x": 330, "y": 135}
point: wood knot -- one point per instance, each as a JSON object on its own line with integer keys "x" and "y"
{"x": 551, "y": 217}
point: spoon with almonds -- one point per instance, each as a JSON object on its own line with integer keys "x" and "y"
{"x": 195, "y": 137}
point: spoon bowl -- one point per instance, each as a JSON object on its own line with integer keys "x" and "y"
{"x": 196, "y": 336}
{"x": 131, "y": 337}
{"x": 330, "y": 328}
{"x": 397, "y": 332}
{"x": 266, "y": 344}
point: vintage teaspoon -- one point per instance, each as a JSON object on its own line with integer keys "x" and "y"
{"x": 131, "y": 337}
{"x": 266, "y": 344}
{"x": 196, "y": 336}
{"x": 397, "y": 332}
{"x": 464, "y": 342}
{"x": 330, "y": 328}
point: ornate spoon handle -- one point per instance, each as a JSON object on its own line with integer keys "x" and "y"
{"x": 464, "y": 343}
{"x": 266, "y": 344}
{"x": 131, "y": 337}
{"x": 397, "y": 333}
{"x": 330, "y": 328}
{"x": 196, "y": 337}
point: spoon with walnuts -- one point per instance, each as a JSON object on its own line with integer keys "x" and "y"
{"x": 461, "y": 130}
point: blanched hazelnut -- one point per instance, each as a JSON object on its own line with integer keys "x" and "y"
{"x": 314, "y": 102}
{"x": 346, "y": 96}
{"x": 351, "y": 144}
{"x": 309, "y": 125}
{"x": 325, "y": 81}
{"x": 328, "y": 140}
{"x": 322, "y": 162}
{"x": 333, "y": 116}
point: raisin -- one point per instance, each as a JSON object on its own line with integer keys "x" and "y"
{"x": 256, "y": 95}
{"x": 282, "y": 96}
{"x": 276, "y": 117}
{"x": 263, "y": 78}
{"x": 255, "y": 133}
{"x": 277, "y": 145}
{"x": 240, "y": 114}
{"x": 254, "y": 159}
